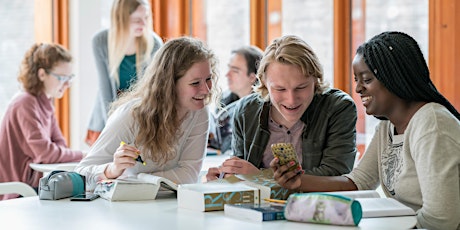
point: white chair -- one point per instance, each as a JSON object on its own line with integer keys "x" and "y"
{"x": 20, "y": 188}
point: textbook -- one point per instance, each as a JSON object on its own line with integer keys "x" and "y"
{"x": 357, "y": 194}
{"x": 384, "y": 207}
{"x": 268, "y": 187}
{"x": 213, "y": 196}
{"x": 255, "y": 212}
{"x": 374, "y": 206}
{"x": 144, "y": 186}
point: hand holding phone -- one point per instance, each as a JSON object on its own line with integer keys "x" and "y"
{"x": 84, "y": 197}
{"x": 285, "y": 152}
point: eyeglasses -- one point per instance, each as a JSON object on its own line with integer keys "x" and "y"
{"x": 63, "y": 78}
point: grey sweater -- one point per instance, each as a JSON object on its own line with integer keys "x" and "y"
{"x": 184, "y": 168}
{"x": 420, "y": 168}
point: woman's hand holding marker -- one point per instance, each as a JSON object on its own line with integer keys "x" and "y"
{"x": 138, "y": 158}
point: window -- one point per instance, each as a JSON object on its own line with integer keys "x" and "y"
{"x": 312, "y": 20}
{"x": 16, "y": 37}
{"x": 227, "y": 28}
{"x": 373, "y": 17}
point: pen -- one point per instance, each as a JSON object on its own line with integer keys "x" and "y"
{"x": 139, "y": 158}
{"x": 221, "y": 175}
{"x": 275, "y": 201}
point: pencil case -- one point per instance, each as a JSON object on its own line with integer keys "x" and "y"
{"x": 61, "y": 184}
{"x": 323, "y": 208}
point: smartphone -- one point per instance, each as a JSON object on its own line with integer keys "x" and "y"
{"x": 84, "y": 197}
{"x": 285, "y": 153}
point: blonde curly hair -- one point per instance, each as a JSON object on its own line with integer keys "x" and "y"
{"x": 157, "y": 113}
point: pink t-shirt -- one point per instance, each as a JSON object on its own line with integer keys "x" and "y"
{"x": 281, "y": 134}
{"x": 29, "y": 133}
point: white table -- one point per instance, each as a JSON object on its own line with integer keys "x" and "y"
{"x": 32, "y": 213}
{"x": 69, "y": 166}
{"x": 209, "y": 161}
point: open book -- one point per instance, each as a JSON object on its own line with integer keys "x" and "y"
{"x": 375, "y": 206}
{"x": 144, "y": 186}
{"x": 383, "y": 207}
{"x": 357, "y": 194}
{"x": 268, "y": 187}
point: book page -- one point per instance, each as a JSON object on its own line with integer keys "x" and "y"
{"x": 380, "y": 207}
{"x": 129, "y": 180}
{"x": 149, "y": 178}
{"x": 126, "y": 189}
{"x": 357, "y": 194}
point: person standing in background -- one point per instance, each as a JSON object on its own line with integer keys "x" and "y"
{"x": 29, "y": 131}
{"x": 121, "y": 52}
{"x": 241, "y": 77}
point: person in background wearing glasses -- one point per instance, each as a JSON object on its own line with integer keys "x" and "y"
{"x": 121, "y": 53}
{"x": 29, "y": 132}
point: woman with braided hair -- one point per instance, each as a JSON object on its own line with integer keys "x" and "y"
{"x": 415, "y": 152}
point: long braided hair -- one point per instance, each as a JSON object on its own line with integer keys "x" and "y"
{"x": 397, "y": 62}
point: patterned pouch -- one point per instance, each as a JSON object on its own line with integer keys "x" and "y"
{"x": 323, "y": 208}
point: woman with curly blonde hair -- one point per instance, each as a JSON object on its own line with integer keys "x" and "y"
{"x": 163, "y": 118}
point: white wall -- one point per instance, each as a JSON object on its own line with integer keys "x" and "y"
{"x": 85, "y": 21}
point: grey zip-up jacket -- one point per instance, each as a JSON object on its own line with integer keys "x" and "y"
{"x": 328, "y": 137}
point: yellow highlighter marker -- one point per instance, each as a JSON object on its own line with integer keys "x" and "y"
{"x": 139, "y": 158}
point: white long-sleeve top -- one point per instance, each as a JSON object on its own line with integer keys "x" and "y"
{"x": 420, "y": 168}
{"x": 183, "y": 168}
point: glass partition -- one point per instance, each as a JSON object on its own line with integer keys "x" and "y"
{"x": 17, "y": 36}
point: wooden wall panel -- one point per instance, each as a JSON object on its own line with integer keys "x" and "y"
{"x": 171, "y": 18}
{"x": 52, "y": 25}
{"x": 258, "y": 27}
{"x": 342, "y": 45}
{"x": 444, "y": 47}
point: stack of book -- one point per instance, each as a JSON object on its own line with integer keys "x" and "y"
{"x": 212, "y": 196}
{"x": 372, "y": 206}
